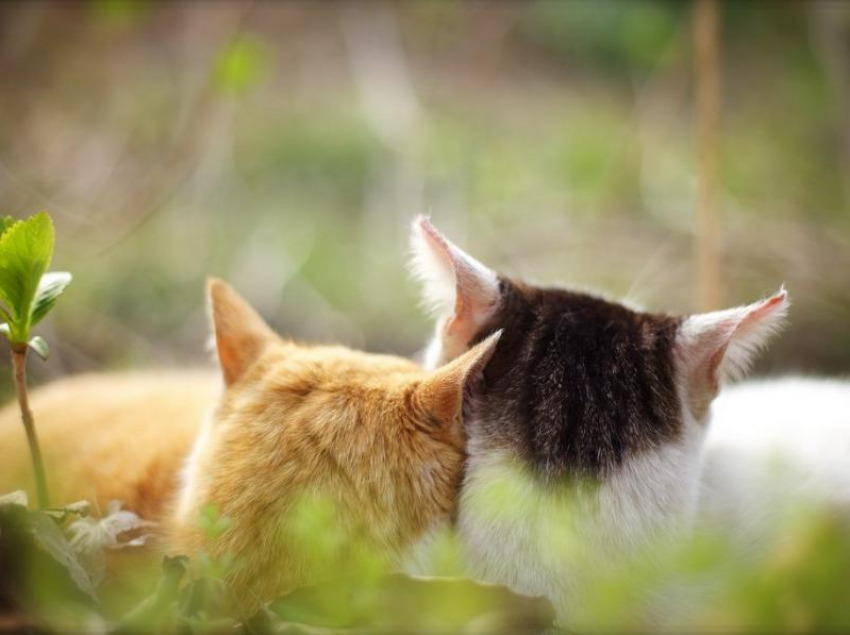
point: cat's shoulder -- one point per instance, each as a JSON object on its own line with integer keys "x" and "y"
{"x": 792, "y": 400}
{"x": 793, "y": 415}
{"x": 790, "y": 386}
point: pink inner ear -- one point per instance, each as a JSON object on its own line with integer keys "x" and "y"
{"x": 721, "y": 344}
{"x": 728, "y": 329}
{"x": 443, "y": 249}
{"x": 439, "y": 244}
{"x": 470, "y": 293}
{"x": 762, "y": 310}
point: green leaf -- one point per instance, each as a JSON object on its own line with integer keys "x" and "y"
{"x": 150, "y": 613}
{"x": 39, "y": 345}
{"x": 50, "y": 287}
{"x": 25, "y": 251}
{"x": 5, "y": 223}
{"x": 51, "y": 538}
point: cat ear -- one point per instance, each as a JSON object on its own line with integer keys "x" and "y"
{"x": 460, "y": 289}
{"x": 442, "y": 393}
{"x": 714, "y": 347}
{"x": 241, "y": 335}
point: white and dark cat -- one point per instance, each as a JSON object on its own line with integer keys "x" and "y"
{"x": 592, "y": 436}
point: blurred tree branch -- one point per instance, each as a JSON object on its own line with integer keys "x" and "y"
{"x": 708, "y": 104}
{"x": 829, "y": 29}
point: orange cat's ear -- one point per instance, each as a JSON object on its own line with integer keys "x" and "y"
{"x": 241, "y": 335}
{"x": 443, "y": 391}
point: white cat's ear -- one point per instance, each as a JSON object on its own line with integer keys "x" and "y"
{"x": 463, "y": 292}
{"x": 240, "y": 333}
{"x": 442, "y": 393}
{"x": 714, "y": 347}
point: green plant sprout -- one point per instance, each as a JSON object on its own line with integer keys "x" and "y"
{"x": 27, "y": 293}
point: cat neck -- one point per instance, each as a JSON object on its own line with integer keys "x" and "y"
{"x": 563, "y": 532}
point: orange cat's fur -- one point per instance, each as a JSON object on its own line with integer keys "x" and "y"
{"x": 376, "y": 437}
{"x": 109, "y": 437}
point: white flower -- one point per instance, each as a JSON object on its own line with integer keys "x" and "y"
{"x": 91, "y": 536}
{"x": 18, "y": 497}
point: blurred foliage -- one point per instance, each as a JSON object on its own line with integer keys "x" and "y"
{"x": 616, "y": 38}
{"x": 286, "y": 146}
{"x": 119, "y": 11}
{"x": 45, "y": 584}
{"x": 241, "y": 65}
{"x": 796, "y": 581}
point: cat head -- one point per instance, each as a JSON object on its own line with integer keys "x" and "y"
{"x": 582, "y": 382}
{"x": 326, "y": 414}
{"x": 250, "y": 354}
{"x": 371, "y": 447}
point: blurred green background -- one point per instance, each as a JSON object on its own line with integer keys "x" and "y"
{"x": 286, "y": 146}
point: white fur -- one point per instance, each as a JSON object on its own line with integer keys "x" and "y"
{"x": 447, "y": 274}
{"x": 187, "y": 494}
{"x": 740, "y": 333}
{"x": 773, "y": 445}
{"x": 435, "y": 261}
{"x": 548, "y": 544}
{"x": 544, "y": 541}
{"x": 541, "y": 541}
{"x": 435, "y": 274}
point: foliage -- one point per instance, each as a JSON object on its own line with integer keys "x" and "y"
{"x": 49, "y": 578}
{"x": 536, "y": 169}
{"x": 56, "y": 556}
{"x": 241, "y": 65}
{"x": 27, "y": 291}
{"x": 798, "y": 582}
{"x": 633, "y": 35}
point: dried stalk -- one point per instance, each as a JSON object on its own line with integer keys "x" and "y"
{"x": 706, "y": 40}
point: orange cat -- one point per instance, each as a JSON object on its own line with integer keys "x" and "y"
{"x": 372, "y": 442}
{"x": 374, "y": 435}
{"x": 109, "y": 437}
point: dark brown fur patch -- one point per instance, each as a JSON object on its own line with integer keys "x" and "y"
{"x": 577, "y": 384}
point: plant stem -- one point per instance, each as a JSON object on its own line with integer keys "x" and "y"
{"x": 19, "y": 364}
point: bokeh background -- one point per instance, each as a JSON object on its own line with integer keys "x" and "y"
{"x": 286, "y": 146}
